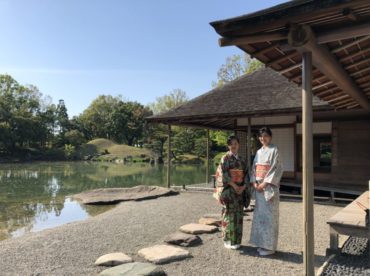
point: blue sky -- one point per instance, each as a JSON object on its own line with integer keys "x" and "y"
{"x": 141, "y": 49}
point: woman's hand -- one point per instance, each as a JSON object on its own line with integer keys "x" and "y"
{"x": 238, "y": 189}
{"x": 241, "y": 189}
{"x": 254, "y": 185}
{"x": 261, "y": 187}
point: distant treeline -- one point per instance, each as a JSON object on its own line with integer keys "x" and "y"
{"x": 31, "y": 125}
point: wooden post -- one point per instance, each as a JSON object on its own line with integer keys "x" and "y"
{"x": 249, "y": 144}
{"x": 169, "y": 158}
{"x": 307, "y": 177}
{"x": 207, "y": 161}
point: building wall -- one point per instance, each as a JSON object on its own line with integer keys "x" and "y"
{"x": 351, "y": 153}
{"x": 350, "y": 164}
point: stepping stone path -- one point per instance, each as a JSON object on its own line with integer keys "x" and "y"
{"x": 113, "y": 259}
{"x": 133, "y": 269}
{"x": 210, "y": 221}
{"x": 197, "y": 228}
{"x": 160, "y": 254}
{"x": 183, "y": 239}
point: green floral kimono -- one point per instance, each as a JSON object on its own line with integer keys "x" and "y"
{"x": 232, "y": 203}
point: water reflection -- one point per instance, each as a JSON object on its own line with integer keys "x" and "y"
{"x": 35, "y": 196}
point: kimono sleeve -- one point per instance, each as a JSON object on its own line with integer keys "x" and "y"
{"x": 253, "y": 170}
{"x": 225, "y": 167}
{"x": 246, "y": 175}
{"x": 275, "y": 173}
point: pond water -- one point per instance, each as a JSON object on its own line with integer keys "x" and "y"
{"x": 35, "y": 196}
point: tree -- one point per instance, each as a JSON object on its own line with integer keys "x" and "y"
{"x": 236, "y": 66}
{"x": 97, "y": 118}
{"x": 62, "y": 117}
{"x": 174, "y": 99}
{"x": 129, "y": 122}
{"x": 74, "y": 137}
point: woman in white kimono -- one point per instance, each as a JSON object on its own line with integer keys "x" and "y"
{"x": 265, "y": 177}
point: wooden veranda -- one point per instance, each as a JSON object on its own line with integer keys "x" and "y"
{"x": 324, "y": 46}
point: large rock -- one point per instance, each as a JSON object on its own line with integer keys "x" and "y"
{"x": 114, "y": 195}
{"x": 160, "y": 254}
{"x": 113, "y": 259}
{"x": 183, "y": 239}
{"x": 210, "y": 221}
{"x": 134, "y": 269}
{"x": 197, "y": 228}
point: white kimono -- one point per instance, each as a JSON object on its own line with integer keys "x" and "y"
{"x": 267, "y": 167}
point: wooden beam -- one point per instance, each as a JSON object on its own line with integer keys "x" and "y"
{"x": 365, "y": 60}
{"x": 355, "y": 54}
{"x": 283, "y": 58}
{"x": 307, "y": 168}
{"x": 322, "y": 85}
{"x": 273, "y": 36}
{"x": 169, "y": 157}
{"x": 304, "y": 38}
{"x": 344, "y": 33}
{"x": 363, "y": 70}
{"x": 350, "y": 44}
{"x": 290, "y": 68}
{"x": 207, "y": 161}
{"x": 265, "y": 50}
{"x": 249, "y": 145}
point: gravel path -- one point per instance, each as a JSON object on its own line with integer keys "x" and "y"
{"x": 72, "y": 249}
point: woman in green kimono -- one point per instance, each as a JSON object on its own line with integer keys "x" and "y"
{"x": 235, "y": 180}
{"x": 265, "y": 177}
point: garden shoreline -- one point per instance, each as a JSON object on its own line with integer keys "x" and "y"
{"x": 72, "y": 249}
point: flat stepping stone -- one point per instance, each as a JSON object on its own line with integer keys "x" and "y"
{"x": 183, "y": 239}
{"x": 134, "y": 269}
{"x": 113, "y": 259}
{"x": 197, "y": 228}
{"x": 210, "y": 221}
{"x": 160, "y": 254}
{"x": 114, "y": 195}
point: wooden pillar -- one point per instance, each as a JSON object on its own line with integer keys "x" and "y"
{"x": 307, "y": 177}
{"x": 249, "y": 144}
{"x": 169, "y": 158}
{"x": 207, "y": 161}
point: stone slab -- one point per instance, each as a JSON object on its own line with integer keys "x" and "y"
{"x": 114, "y": 195}
{"x": 113, "y": 259}
{"x": 197, "y": 228}
{"x": 160, "y": 254}
{"x": 134, "y": 269}
{"x": 210, "y": 221}
{"x": 183, "y": 239}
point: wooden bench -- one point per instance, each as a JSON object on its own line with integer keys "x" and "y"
{"x": 349, "y": 221}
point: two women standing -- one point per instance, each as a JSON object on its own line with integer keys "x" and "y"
{"x": 266, "y": 173}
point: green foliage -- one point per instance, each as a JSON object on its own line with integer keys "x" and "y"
{"x": 200, "y": 147}
{"x": 174, "y": 99}
{"x": 74, "y": 137}
{"x": 234, "y": 67}
{"x": 69, "y": 151}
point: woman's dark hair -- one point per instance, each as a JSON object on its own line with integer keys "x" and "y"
{"x": 231, "y": 138}
{"x": 263, "y": 130}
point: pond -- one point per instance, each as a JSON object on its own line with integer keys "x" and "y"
{"x": 35, "y": 196}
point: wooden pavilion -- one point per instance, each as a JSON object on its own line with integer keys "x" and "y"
{"x": 324, "y": 47}
{"x": 267, "y": 98}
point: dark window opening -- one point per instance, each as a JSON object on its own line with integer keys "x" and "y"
{"x": 322, "y": 153}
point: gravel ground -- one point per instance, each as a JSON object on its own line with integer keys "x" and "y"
{"x": 353, "y": 260}
{"x": 72, "y": 249}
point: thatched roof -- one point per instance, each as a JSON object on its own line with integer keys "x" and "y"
{"x": 263, "y": 92}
